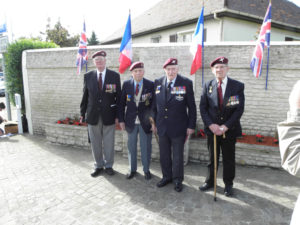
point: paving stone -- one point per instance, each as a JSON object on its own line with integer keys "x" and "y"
{"x": 42, "y": 183}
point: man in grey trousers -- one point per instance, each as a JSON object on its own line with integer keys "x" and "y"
{"x": 99, "y": 105}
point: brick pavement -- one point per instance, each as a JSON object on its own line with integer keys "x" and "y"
{"x": 42, "y": 183}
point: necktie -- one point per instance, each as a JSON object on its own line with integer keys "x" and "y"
{"x": 220, "y": 95}
{"x": 136, "y": 89}
{"x": 100, "y": 82}
{"x": 169, "y": 89}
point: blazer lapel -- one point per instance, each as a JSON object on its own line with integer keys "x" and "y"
{"x": 215, "y": 93}
{"x": 94, "y": 84}
{"x": 163, "y": 89}
{"x": 227, "y": 92}
{"x": 177, "y": 83}
{"x": 106, "y": 80}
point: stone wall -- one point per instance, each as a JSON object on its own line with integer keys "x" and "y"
{"x": 246, "y": 154}
{"x": 53, "y": 90}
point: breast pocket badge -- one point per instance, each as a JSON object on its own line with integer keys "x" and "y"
{"x": 157, "y": 91}
{"x": 128, "y": 98}
{"x": 179, "y": 97}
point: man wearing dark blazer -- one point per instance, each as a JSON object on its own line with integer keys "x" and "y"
{"x": 134, "y": 113}
{"x": 221, "y": 107}
{"x": 175, "y": 112}
{"x": 99, "y": 105}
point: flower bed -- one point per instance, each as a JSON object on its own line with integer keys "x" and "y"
{"x": 258, "y": 139}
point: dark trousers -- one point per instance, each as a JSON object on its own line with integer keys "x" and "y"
{"x": 171, "y": 157}
{"x": 228, "y": 154}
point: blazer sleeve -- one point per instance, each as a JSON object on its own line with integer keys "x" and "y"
{"x": 118, "y": 95}
{"x": 84, "y": 100}
{"x": 154, "y": 106}
{"x": 204, "y": 106}
{"x": 289, "y": 143}
{"x": 240, "y": 109}
{"x": 122, "y": 104}
{"x": 192, "y": 111}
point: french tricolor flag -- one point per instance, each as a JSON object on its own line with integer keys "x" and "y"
{"x": 125, "y": 48}
{"x": 197, "y": 44}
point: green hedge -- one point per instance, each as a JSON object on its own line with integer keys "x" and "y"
{"x": 13, "y": 65}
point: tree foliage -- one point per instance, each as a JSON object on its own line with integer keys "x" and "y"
{"x": 60, "y": 36}
{"x": 93, "y": 40}
{"x": 13, "y": 65}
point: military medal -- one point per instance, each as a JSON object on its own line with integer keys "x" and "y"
{"x": 210, "y": 89}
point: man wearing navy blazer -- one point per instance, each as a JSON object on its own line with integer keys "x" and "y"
{"x": 99, "y": 105}
{"x": 175, "y": 112}
{"x": 134, "y": 113}
{"x": 221, "y": 107}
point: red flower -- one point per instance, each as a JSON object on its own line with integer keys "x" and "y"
{"x": 243, "y": 134}
{"x": 59, "y": 122}
{"x": 67, "y": 118}
{"x": 276, "y": 141}
{"x": 259, "y": 136}
{"x": 77, "y": 123}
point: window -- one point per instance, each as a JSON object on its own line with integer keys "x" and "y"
{"x": 187, "y": 35}
{"x": 155, "y": 39}
{"x": 291, "y": 39}
{"x": 173, "y": 38}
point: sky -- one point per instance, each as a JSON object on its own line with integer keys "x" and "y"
{"x": 29, "y": 17}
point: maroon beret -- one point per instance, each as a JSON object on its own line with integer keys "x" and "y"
{"x": 136, "y": 65}
{"x": 170, "y": 61}
{"x": 219, "y": 60}
{"x": 99, "y": 53}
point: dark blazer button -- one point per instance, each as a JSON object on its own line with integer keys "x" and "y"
{"x": 166, "y": 117}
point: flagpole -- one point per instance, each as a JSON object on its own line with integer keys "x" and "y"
{"x": 267, "y": 69}
{"x": 203, "y": 48}
{"x": 270, "y": 2}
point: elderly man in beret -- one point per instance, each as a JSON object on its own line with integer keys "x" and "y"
{"x": 174, "y": 110}
{"x": 221, "y": 107}
{"x": 134, "y": 113}
{"x": 99, "y": 105}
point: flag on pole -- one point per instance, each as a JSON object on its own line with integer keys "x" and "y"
{"x": 263, "y": 39}
{"x": 82, "y": 57}
{"x": 197, "y": 46}
{"x": 125, "y": 48}
{"x": 3, "y": 28}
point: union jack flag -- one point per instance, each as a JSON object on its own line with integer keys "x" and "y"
{"x": 82, "y": 57}
{"x": 263, "y": 39}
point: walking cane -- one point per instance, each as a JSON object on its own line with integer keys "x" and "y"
{"x": 215, "y": 167}
{"x": 153, "y": 123}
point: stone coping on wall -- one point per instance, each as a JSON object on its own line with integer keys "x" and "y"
{"x": 246, "y": 154}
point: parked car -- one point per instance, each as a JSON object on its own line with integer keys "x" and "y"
{"x": 2, "y": 87}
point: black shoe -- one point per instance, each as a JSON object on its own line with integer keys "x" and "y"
{"x": 228, "y": 190}
{"x": 178, "y": 186}
{"x": 130, "y": 175}
{"x": 205, "y": 187}
{"x": 163, "y": 182}
{"x": 109, "y": 171}
{"x": 147, "y": 175}
{"x": 96, "y": 172}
